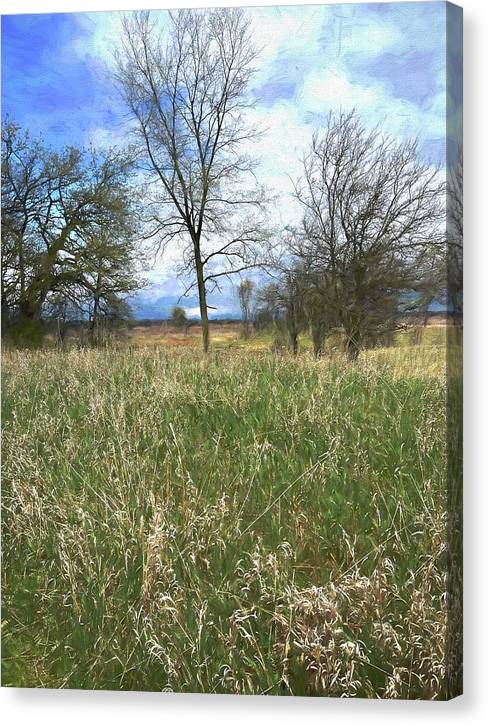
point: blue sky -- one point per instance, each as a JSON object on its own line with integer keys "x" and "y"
{"x": 386, "y": 60}
{"x": 53, "y": 79}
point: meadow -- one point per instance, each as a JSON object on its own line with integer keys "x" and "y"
{"x": 246, "y": 522}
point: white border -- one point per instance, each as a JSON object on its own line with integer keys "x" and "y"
{"x": 54, "y": 708}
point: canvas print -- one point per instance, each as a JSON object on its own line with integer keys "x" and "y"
{"x": 231, "y": 295}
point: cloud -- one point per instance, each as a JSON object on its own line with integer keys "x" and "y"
{"x": 103, "y": 31}
{"x": 347, "y": 56}
{"x": 279, "y": 32}
{"x": 326, "y": 88}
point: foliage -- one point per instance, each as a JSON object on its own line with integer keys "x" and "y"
{"x": 68, "y": 227}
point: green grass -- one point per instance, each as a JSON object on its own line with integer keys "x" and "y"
{"x": 248, "y": 523}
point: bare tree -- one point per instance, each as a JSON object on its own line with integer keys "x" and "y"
{"x": 245, "y": 292}
{"x": 372, "y": 225}
{"x": 186, "y": 90}
{"x": 268, "y": 310}
{"x": 302, "y": 277}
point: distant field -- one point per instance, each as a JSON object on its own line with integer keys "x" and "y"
{"x": 246, "y": 523}
{"x": 229, "y": 334}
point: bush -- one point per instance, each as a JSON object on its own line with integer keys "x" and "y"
{"x": 27, "y": 333}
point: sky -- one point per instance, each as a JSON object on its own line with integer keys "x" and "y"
{"x": 388, "y": 61}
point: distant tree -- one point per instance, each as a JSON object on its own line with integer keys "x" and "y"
{"x": 266, "y": 312}
{"x": 187, "y": 91}
{"x": 299, "y": 273}
{"x": 178, "y": 317}
{"x": 245, "y": 292}
{"x": 268, "y": 309}
{"x": 291, "y": 292}
{"x": 282, "y": 302}
{"x": 372, "y": 226}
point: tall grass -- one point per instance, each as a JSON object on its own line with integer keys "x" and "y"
{"x": 242, "y": 524}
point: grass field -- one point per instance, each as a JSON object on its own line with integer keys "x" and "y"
{"x": 246, "y": 523}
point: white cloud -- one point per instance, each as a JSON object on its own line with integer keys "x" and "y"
{"x": 327, "y": 88}
{"x": 355, "y": 31}
{"x": 281, "y": 31}
{"x": 102, "y": 36}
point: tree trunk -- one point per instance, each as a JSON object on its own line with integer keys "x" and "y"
{"x": 294, "y": 342}
{"x": 202, "y": 298}
{"x": 94, "y": 321}
{"x": 6, "y": 321}
{"x": 36, "y": 292}
{"x": 318, "y": 335}
{"x": 246, "y": 327}
{"x": 352, "y": 349}
{"x": 29, "y": 310}
{"x": 29, "y": 328}
{"x": 95, "y": 314}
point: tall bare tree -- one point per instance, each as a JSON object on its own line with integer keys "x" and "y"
{"x": 185, "y": 86}
{"x": 372, "y": 225}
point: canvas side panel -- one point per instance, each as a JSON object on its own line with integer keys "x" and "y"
{"x": 454, "y": 225}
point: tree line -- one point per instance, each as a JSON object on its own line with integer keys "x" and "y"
{"x": 371, "y": 242}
